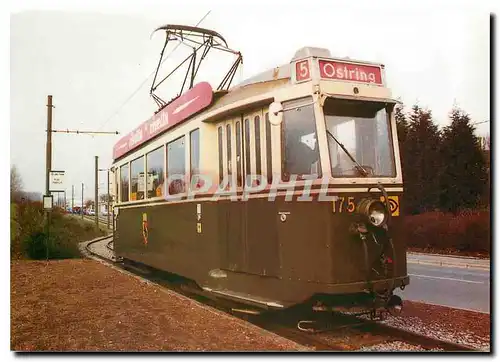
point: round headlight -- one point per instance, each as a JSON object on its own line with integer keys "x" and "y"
{"x": 375, "y": 211}
{"x": 377, "y": 214}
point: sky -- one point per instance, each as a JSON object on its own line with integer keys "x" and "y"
{"x": 92, "y": 56}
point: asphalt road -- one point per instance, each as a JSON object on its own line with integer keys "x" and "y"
{"x": 464, "y": 288}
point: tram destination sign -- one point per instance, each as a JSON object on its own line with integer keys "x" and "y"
{"x": 346, "y": 71}
{"x": 196, "y": 99}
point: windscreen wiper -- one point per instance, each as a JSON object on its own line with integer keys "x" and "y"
{"x": 358, "y": 166}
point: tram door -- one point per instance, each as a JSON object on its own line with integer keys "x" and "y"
{"x": 252, "y": 245}
{"x": 233, "y": 211}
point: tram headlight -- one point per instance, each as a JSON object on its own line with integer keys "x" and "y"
{"x": 375, "y": 212}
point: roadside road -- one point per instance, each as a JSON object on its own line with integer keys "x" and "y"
{"x": 456, "y": 287}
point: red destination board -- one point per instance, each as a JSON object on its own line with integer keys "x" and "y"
{"x": 363, "y": 73}
{"x": 191, "y": 102}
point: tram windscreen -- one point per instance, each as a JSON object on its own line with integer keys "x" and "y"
{"x": 364, "y": 130}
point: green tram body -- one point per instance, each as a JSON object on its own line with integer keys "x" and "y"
{"x": 278, "y": 253}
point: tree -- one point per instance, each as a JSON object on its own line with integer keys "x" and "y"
{"x": 402, "y": 129}
{"x": 464, "y": 175}
{"x": 422, "y": 162}
{"x": 89, "y": 203}
{"x": 16, "y": 184}
{"x": 104, "y": 198}
{"x": 401, "y": 123}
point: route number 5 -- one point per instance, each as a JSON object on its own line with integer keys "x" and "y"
{"x": 302, "y": 70}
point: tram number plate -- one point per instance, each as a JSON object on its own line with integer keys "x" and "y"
{"x": 344, "y": 204}
{"x": 347, "y": 204}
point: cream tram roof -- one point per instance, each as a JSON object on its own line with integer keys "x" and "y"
{"x": 282, "y": 76}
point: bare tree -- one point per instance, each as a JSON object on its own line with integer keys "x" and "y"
{"x": 104, "y": 198}
{"x": 16, "y": 183}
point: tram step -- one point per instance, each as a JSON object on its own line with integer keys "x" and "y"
{"x": 246, "y": 298}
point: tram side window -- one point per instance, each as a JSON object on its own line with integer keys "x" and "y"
{"x": 176, "y": 166}
{"x": 238, "y": 154}
{"x": 124, "y": 183}
{"x": 258, "y": 169}
{"x": 269, "y": 156}
{"x": 301, "y": 154}
{"x": 229, "y": 157}
{"x": 155, "y": 177}
{"x": 137, "y": 179}
{"x": 248, "y": 167}
{"x": 195, "y": 157}
{"x": 221, "y": 169}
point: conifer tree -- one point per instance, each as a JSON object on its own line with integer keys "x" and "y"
{"x": 402, "y": 129}
{"x": 422, "y": 162}
{"x": 464, "y": 175}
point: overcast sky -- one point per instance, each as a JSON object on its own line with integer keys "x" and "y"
{"x": 92, "y": 58}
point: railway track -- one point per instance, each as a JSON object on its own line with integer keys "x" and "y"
{"x": 103, "y": 220}
{"x": 341, "y": 333}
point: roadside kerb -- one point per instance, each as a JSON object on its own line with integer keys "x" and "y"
{"x": 454, "y": 263}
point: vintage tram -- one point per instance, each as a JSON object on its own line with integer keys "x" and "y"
{"x": 284, "y": 189}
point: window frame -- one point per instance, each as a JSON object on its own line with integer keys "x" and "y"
{"x": 185, "y": 189}
{"x": 162, "y": 146}
{"x": 126, "y": 164}
{"x": 304, "y": 101}
{"x": 191, "y": 157}
{"x": 130, "y": 173}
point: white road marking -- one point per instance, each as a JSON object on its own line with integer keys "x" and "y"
{"x": 445, "y": 278}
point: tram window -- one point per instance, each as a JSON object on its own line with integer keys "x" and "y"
{"x": 195, "y": 157}
{"x": 269, "y": 154}
{"x": 221, "y": 166}
{"x": 124, "y": 183}
{"x": 229, "y": 157}
{"x": 155, "y": 177}
{"x": 176, "y": 166}
{"x": 301, "y": 154}
{"x": 137, "y": 179}
{"x": 258, "y": 167}
{"x": 248, "y": 167}
{"x": 363, "y": 128}
{"x": 238, "y": 154}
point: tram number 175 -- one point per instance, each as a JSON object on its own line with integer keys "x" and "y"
{"x": 344, "y": 204}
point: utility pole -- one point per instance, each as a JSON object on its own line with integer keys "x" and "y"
{"x": 48, "y": 167}
{"x": 48, "y": 156}
{"x": 81, "y": 209}
{"x": 72, "y": 198}
{"x": 96, "y": 202}
{"x": 107, "y": 207}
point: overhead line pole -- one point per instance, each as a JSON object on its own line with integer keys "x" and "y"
{"x": 48, "y": 167}
{"x": 107, "y": 207}
{"x": 48, "y": 155}
{"x": 81, "y": 208}
{"x": 96, "y": 202}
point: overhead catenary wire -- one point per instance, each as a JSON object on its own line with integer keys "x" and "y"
{"x": 145, "y": 80}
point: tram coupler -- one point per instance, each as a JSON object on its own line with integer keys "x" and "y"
{"x": 394, "y": 305}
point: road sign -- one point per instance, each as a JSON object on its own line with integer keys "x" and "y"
{"x": 47, "y": 202}
{"x": 56, "y": 181}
